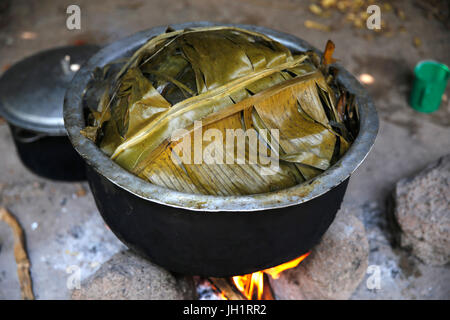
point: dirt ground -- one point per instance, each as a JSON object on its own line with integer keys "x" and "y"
{"x": 62, "y": 225}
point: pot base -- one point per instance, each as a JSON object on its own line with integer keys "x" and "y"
{"x": 217, "y": 244}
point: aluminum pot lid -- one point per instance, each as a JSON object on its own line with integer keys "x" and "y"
{"x": 32, "y": 91}
{"x": 301, "y": 193}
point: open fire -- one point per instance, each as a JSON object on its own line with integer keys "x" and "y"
{"x": 252, "y": 285}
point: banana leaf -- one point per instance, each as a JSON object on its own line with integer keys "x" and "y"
{"x": 224, "y": 78}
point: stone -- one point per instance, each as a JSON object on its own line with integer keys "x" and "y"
{"x": 335, "y": 266}
{"x": 127, "y": 276}
{"x": 422, "y": 213}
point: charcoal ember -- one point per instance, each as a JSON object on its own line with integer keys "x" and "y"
{"x": 127, "y": 276}
{"x": 335, "y": 266}
{"x": 421, "y": 212}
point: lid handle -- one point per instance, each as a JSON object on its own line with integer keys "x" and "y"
{"x": 26, "y": 136}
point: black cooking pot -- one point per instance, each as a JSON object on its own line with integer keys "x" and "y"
{"x": 31, "y": 100}
{"x": 51, "y": 157}
{"x": 214, "y": 235}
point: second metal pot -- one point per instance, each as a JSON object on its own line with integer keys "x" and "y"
{"x": 31, "y": 101}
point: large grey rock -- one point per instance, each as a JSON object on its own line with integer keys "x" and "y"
{"x": 422, "y": 211}
{"x": 128, "y": 276}
{"x": 335, "y": 266}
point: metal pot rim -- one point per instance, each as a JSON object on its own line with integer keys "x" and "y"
{"x": 340, "y": 171}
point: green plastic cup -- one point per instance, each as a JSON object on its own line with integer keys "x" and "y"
{"x": 430, "y": 80}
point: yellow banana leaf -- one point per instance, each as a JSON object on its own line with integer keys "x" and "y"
{"x": 231, "y": 80}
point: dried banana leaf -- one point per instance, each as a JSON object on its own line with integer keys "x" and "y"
{"x": 224, "y": 78}
{"x": 218, "y": 177}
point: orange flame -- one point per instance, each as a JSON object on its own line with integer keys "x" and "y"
{"x": 246, "y": 284}
{"x": 276, "y": 271}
